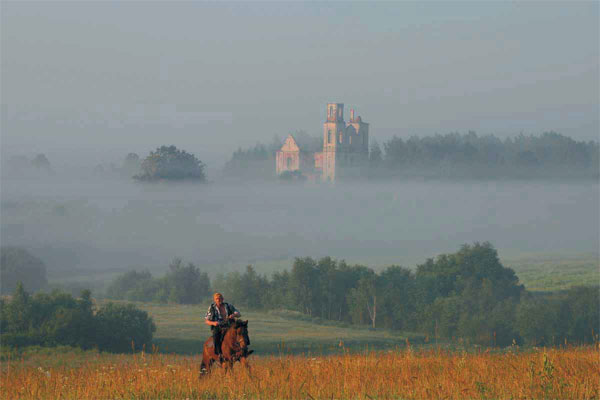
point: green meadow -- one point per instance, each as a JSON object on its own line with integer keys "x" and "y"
{"x": 546, "y": 272}
{"x": 181, "y": 329}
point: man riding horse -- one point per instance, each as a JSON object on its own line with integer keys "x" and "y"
{"x": 218, "y": 315}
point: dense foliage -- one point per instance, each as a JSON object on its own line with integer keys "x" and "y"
{"x": 468, "y": 294}
{"x": 254, "y": 162}
{"x": 170, "y": 163}
{"x": 59, "y": 319}
{"x": 469, "y": 155}
{"x": 183, "y": 284}
{"x": 18, "y": 265}
{"x": 258, "y": 161}
{"x": 571, "y": 316}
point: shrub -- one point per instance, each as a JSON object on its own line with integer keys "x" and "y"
{"x": 123, "y": 328}
{"x": 170, "y": 163}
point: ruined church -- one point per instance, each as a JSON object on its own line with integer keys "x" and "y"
{"x": 345, "y": 149}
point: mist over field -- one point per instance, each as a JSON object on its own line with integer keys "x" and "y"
{"x": 84, "y": 84}
{"x": 99, "y": 225}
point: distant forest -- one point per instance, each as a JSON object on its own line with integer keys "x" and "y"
{"x": 454, "y": 155}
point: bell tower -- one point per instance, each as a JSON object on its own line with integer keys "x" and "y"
{"x": 333, "y": 138}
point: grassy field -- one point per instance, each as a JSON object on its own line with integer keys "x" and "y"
{"x": 181, "y": 329}
{"x": 550, "y": 273}
{"x": 571, "y": 373}
{"x": 298, "y": 359}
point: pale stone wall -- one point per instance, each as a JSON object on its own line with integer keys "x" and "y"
{"x": 288, "y": 157}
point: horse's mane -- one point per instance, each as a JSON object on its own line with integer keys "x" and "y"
{"x": 236, "y": 324}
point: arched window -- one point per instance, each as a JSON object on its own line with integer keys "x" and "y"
{"x": 289, "y": 162}
{"x": 341, "y": 137}
{"x": 329, "y": 136}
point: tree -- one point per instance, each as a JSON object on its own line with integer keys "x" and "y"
{"x": 279, "y": 290}
{"x": 131, "y": 164}
{"x": 304, "y": 284}
{"x": 59, "y": 319}
{"x": 170, "y": 163}
{"x": 470, "y": 155}
{"x": 187, "y": 284}
{"x": 18, "y": 265}
{"x": 131, "y": 285}
{"x": 469, "y": 267}
{"x": 329, "y": 288}
{"x": 123, "y": 328}
{"x": 537, "y": 321}
{"x": 67, "y": 321}
{"x": 467, "y": 294}
{"x": 40, "y": 161}
{"x": 398, "y": 293}
{"x": 16, "y": 314}
{"x": 363, "y": 299}
{"x": 375, "y": 155}
{"x": 581, "y": 307}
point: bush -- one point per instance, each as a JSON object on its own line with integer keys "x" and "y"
{"x": 170, "y": 163}
{"x": 59, "y": 319}
{"x": 292, "y": 176}
{"x": 123, "y": 328}
{"x": 581, "y": 309}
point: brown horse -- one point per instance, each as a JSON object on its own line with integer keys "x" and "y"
{"x": 234, "y": 347}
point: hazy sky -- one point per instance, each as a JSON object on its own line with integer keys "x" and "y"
{"x": 90, "y": 82}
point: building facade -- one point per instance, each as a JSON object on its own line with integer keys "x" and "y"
{"x": 345, "y": 151}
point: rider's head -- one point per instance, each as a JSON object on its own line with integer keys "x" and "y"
{"x": 218, "y": 298}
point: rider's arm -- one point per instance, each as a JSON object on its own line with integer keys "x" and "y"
{"x": 235, "y": 313}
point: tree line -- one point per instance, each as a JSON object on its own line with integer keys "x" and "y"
{"x": 182, "y": 284}
{"x": 550, "y": 154}
{"x": 452, "y": 155}
{"x": 56, "y": 318}
{"x": 466, "y": 295}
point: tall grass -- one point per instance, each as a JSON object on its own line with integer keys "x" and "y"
{"x": 570, "y": 373}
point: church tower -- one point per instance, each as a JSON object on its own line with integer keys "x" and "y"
{"x": 333, "y": 139}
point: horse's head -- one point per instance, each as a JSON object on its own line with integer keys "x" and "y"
{"x": 241, "y": 330}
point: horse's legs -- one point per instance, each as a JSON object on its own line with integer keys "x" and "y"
{"x": 246, "y": 364}
{"x": 228, "y": 366}
{"x": 206, "y": 364}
